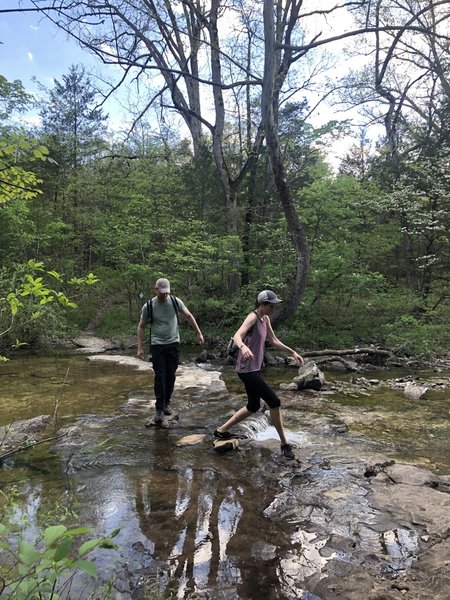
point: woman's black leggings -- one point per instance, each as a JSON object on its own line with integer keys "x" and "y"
{"x": 258, "y": 389}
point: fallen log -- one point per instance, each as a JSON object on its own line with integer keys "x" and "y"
{"x": 334, "y": 358}
{"x": 349, "y": 352}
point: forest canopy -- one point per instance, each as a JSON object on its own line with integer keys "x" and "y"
{"x": 222, "y": 180}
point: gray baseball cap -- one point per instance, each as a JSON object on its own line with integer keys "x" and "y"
{"x": 163, "y": 285}
{"x": 268, "y": 296}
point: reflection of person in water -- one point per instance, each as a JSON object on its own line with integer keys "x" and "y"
{"x": 190, "y": 516}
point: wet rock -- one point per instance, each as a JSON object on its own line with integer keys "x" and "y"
{"x": 411, "y": 475}
{"x": 289, "y": 387}
{"x": 22, "y": 432}
{"x": 188, "y": 376}
{"x": 414, "y": 392}
{"x": 375, "y": 465}
{"x": 263, "y": 551}
{"x": 357, "y": 584}
{"x": 429, "y": 577}
{"x": 225, "y": 445}
{"x": 344, "y": 546}
{"x": 131, "y": 361}
{"x": 286, "y": 507}
{"x": 269, "y": 360}
{"x": 167, "y": 421}
{"x": 281, "y": 507}
{"x": 361, "y": 382}
{"x": 309, "y": 377}
{"x": 191, "y": 440}
{"x": 202, "y": 357}
{"x": 338, "y": 428}
{"x": 338, "y": 364}
{"x": 382, "y": 478}
{"x": 191, "y": 376}
{"x": 414, "y": 505}
{"x": 91, "y": 344}
{"x": 70, "y": 437}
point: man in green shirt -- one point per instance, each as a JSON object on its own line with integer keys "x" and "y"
{"x": 162, "y": 314}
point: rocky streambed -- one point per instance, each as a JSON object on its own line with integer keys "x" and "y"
{"x": 348, "y": 519}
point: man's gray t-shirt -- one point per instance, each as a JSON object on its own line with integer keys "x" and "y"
{"x": 164, "y": 329}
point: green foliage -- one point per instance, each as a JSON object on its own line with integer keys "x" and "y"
{"x": 73, "y": 126}
{"x": 356, "y": 292}
{"x": 16, "y": 181}
{"x": 412, "y": 336}
{"x": 47, "y": 567}
{"x": 149, "y": 208}
{"x": 13, "y": 97}
{"x": 116, "y": 320}
{"x": 36, "y": 296}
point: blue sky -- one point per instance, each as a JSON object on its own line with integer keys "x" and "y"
{"x": 31, "y": 46}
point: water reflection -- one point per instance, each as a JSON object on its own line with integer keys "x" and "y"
{"x": 303, "y": 562}
{"x": 189, "y": 517}
{"x": 184, "y": 490}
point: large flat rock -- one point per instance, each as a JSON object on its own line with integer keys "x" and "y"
{"x": 188, "y": 375}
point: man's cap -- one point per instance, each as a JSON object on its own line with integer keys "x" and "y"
{"x": 163, "y": 285}
{"x": 268, "y": 296}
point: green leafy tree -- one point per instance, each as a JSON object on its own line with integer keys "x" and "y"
{"x": 31, "y": 298}
{"x": 71, "y": 122}
{"x": 13, "y": 98}
{"x": 19, "y": 150}
{"x": 48, "y": 566}
{"x": 74, "y": 130}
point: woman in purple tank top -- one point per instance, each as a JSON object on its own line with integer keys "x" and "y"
{"x": 250, "y": 339}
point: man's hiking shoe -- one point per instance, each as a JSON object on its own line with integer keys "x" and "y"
{"x": 222, "y": 436}
{"x": 159, "y": 417}
{"x": 167, "y": 410}
{"x": 287, "y": 451}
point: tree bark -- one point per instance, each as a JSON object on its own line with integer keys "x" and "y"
{"x": 295, "y": 227}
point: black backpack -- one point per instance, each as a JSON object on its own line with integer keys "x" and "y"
{"x": 232, "y": 349}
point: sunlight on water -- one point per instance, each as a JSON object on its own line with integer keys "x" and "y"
{"x": 184, "y": 491}
{"x": 230, "y": 512}
{"x": 308, "y": 560}
{"x": 294, "y": 437}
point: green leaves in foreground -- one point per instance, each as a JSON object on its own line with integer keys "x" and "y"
{"x": 48, "y": 567}
{"x": 38, "y": 289}
{"x": 35, "y": 292}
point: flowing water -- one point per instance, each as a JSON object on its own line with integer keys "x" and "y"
{"x": 191, "y": 521}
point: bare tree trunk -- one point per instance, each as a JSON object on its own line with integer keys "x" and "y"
{"x": 296, "y": 228}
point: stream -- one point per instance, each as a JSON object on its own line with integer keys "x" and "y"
{"x": 195, "y": 523}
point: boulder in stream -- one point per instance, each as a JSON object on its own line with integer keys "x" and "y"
{"x": 414, "y": 392}
{"x": 309, "y": 377}
{"x": 22, "y": 432}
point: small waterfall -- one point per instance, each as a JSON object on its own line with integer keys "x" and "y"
{"x": 255, "y": 424}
